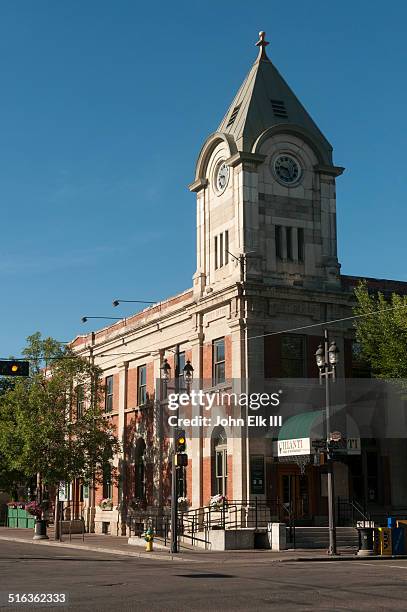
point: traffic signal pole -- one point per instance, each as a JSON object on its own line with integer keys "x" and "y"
{"x": 174, "y": 479}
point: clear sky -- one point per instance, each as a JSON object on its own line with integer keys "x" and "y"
{"x": 103, "y": 109}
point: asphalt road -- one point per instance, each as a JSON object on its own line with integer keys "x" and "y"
{"x": 98, "y": 582}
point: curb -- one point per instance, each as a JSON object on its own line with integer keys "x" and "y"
{"x": 344, "y": 558}
{"x": 112, "y": 551}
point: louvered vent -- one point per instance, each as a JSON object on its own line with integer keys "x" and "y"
{"x": 233, "y": 116}
{"x": 279, "y": 109}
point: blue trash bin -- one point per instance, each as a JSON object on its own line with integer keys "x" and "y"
{"x": 398, "y": 539}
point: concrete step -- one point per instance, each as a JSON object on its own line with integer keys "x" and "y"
{"x": 318, "y": 537}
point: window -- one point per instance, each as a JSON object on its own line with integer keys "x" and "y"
{"x": 300, "y": 244}
{"x": 222, "y": 249}
{"x": 293, "y": 356}
{"x": 107, "y": 481}
{"x": 279, "y": 109}
{"x": 279, "y": 246}
{"x": 80, "y": 401}
{"x": 221, "y": 463}
{"x": 109, "y": 394}
{"x": 218, "y": 356}
{"x": 140, "y": 471}
{"x": 289, "y": 240}
{"x": 233, "y": 116}
{"x": 141, "y": 385}
{"x": 181, "y": 365}
{"x": 360, "y": 367}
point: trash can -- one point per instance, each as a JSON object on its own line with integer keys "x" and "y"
{"x": 366, "y": 548}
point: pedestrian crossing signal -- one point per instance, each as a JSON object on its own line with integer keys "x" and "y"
{"x": 16, "y": 367}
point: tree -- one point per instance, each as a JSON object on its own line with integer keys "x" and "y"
{"x": 382, "y": 332}
{"x": 41, "y": 430}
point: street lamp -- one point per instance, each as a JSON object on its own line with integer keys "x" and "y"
{"x": 117, "y": 302}
{"x": 327, "y": 358}
{"x": 188, "y": 373}
{"x": 85, "y": 319}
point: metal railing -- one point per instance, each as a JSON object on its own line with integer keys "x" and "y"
{"x": 351, "y": 511}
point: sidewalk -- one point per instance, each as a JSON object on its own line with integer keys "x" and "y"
{"x": 118, "y": 545}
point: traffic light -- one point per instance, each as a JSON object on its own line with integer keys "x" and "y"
{"x": 181, "y": 443}
{"x": 14, "y": 367}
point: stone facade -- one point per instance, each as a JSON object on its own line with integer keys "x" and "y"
{"x": 266, "y": 262}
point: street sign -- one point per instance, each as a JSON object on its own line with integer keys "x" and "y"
{"x": 317, "y": 444}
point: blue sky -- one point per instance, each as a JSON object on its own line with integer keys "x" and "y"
{"x": 103, "y": 109}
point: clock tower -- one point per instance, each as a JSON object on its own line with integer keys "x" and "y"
{"x": 265, "y": 185}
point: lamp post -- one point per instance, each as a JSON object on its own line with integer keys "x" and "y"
{"x": 188, "y": 372}
{"x": 327, "y": 357}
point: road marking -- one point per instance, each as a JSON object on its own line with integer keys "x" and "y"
{"x": 382, "y": 564}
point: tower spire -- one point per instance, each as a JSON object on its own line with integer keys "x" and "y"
{"x": 262, "y": 44}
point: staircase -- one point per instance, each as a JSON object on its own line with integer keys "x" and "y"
{"x": 318, "y": 537}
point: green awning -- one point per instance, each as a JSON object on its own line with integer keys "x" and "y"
{"x": 301, "y": 425}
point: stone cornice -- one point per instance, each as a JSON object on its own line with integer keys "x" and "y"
{"x": 198, "y": 185}
{"x": 242, "y": 156}
{"x": 332, "y": 170}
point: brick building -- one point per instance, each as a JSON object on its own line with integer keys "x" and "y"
{"x": 265, "y": 186}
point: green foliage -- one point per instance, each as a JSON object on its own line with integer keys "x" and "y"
{"x": 382, "y": 332}
{"x": 40, "y": 431}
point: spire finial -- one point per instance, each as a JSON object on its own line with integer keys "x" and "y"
{"x": 262, "y": 43}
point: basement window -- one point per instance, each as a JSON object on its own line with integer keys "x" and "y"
{"x": 233, "y": 116}
{"x": 279, "y": 109}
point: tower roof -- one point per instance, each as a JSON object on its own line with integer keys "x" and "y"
{"x": 265, "y": 100}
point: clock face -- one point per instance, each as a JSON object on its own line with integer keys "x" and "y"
{"x": 222, "y": 177}
{"x": 287, "y": 169}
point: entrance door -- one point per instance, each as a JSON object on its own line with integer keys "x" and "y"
{"x": 294, "y": 494}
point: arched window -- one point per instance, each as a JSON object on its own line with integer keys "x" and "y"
{"x": 140, "y": 470}
{"x": 219, "y": 458}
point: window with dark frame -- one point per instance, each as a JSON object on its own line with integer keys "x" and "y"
{"x": 107, "y": 481}
{"x": 226, "y": 247}
{"x": 218, "y": 360}
{"x": 220, "y": 250}
{"x": 289, "y": 242}
{"x": 293, "y": 356}
{"x": 279, "y": 245}
{"x": 216, "y": 253}
{"x": 181, "y": 365}
{"x": 141, "y": 385}
{"x": 140, "y": 471}
{"x": 300, "y": 244}
{"x": 109, "y": 394}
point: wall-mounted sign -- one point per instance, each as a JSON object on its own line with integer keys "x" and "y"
{"x": 296, "y": 446}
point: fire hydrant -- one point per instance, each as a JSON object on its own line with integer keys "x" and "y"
{"x": 149, "y": 538}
